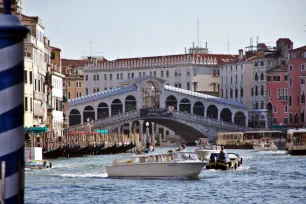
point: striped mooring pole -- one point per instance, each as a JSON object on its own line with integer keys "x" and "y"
{"x": 12, "y": 34}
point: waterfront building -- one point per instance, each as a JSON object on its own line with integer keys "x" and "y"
{"x": 277, "y": 95}
{"x": 196, "y": 71}
{"x": 296, "y": 74}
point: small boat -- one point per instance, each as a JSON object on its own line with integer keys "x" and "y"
{"x": 265, "y": 146}
{"x": 171, "y": 164}
{"x": 232, "y": 161}
{"x": 38, "y": 164}
{"x": 204, "y": 149}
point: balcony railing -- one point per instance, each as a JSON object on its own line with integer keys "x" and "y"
{"x": 38, "y": 96}
{"x": 30, "y": 40}
{"x": 283, "y": 98}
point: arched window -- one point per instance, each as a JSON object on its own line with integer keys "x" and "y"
{"x": 262, "y": 76}
{"x": 241, "y": 92}
{"x": 262, "y": 90}
{"x": 256, "y": 91}
{"x": 262, "y": 105}
{"x": 296, "y": 118}
{"x": 236, "y": 77}
{"x": 236, "y": 93}
{"x": 231, "y": 93}
{"x": 256, "y": 76}
{"x": 290, "y": 101}
{"x": 221, "y": 93}
{"x": 231, "y": 79}
{"x": 290, "y": 118}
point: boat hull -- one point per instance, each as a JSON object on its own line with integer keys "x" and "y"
{"x": 236, "y": 146}
{"x": 205, "y": 154}
{"x": 156, "y": 170}
{"x": 297, "y": 152}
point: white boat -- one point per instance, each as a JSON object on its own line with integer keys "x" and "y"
{"x": 264, "y": 146}
{"x": 173, "y": 164}
{"x": 204, "y": 149}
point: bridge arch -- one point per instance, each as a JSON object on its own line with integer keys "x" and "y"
{"x": 212, "y": 112}
{"x": 74, "y": 117}
{"x": 198, "y": 108}
{"x": 240, "y": 118}
{"x": 103, "y": 110}
{"x": 88, "y": 112}
{"x": 171, "y": 101}
{"x": 130, "y": 103}
{"x": 116, "y": 107}
{"x": 150, "y": 93}
{"x": 185, "y": 105}
{"x": 226, "y": 115}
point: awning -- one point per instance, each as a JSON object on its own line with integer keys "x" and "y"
{"x": 103, "y": 132}
{"x": 36, "y": 130}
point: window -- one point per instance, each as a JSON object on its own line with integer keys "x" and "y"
{"x": 31, "y": 77}
{"x": 25, "y": 76}
{"x": 26, "y": 103}
{"x": 262, "y": 90}
{"x": 111, "y": 76}
{"x": 290, "y": 118}
{"x": 296, "y": 118}
{"x": 290, "y": 68}
{"x": 167, "y": 73}
{"x": 94, "y": 90}
{"x": 251, "y": 91}
{"x": 188, "y": 86}
{"x": 98, "y": 77}
{"x": 121, "y": 76}
{"x": 256, "y": 64}
{"x": 262, "y": 76}
{"x": 303, "y": 98}
{"x": 128, "y": 75}
{"x": 175, "y": 73}
{"x": 274, "y": 109}
{"x": 68, "y": 95}
{"x": 139, "y": 74}
{"x": 290, "y": 101}
{"x": 236, "y": 93}
{"x": 286, "y": 78}
{"x": 285, "y": 120}
{"x": 98, "y": 90}
{"x": 39, "y": 85}
{"x": 278, "y": 93}
{"x": 302, "y": 117}
{"x": 274, "y": 121}
{"x": 94, "y": 77}
{"x": 143, "y": 74}
{"x": 31, "y": 104}
{"x": 269, "y": 93}
{"x": 256, "y": 76}
{"x": 188, "y": 72}
{"x": 269, "y": 78}
{"x": 286, "y": 109}
{"x": 162, "y": 73}
{"x": 302, "y": 67}
{"x": 276, "y": 78}
{"x": 118, "y": 76}
{"x": 86, "y": 91}
{"x": 105, "y": 76}
{"x": 231, "y": 79}
{"x": 302, "y": 81}
{"x": 86, "y": 77}
{"x": 236, "y": 78}
{"x": 35, "y": 85}
{"x": 241, "y": 92}
{"x": 154, "y": 73}
{"x": 256, "y": 91}
{"x": 262, "y": 63}
{"x": 290, "y": 81}
{"x": 69, "y": 84}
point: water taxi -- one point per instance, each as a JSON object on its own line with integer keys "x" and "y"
{"x": 171, "y": 164}
{"x": 296, "y": 141}
{"x": 34, "y": 159}
{"x": 204, "y": 149}
{"x": 231, "y": 161}
{"x": 246, "y": 140}
{"x": 265, "y": 146}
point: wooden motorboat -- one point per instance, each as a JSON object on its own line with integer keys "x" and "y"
{"x": 232, "y": 161}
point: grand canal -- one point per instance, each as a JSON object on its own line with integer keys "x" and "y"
{"x": 265, "y": 177}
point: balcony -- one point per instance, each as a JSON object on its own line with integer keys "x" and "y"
{"x": 30, "y": 40}
{"x": 283, "y": 98}
{"x": 39, "y": 96}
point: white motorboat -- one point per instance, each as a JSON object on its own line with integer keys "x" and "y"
{"x": 204, "y": 149}
{"x": 264, "y": 146}
{"x": 172, "y": 164}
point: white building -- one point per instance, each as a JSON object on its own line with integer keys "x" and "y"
{"x": 237, "y": 80}
{"x": 195, "y": 72}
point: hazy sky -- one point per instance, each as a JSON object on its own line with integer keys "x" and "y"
{"x": 135, "y": 28}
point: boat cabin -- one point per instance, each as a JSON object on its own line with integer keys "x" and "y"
{"x": 296, "y": 141}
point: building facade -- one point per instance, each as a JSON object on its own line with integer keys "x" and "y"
{"x": 195, "y": 72}
{"x": 296, "y": 73}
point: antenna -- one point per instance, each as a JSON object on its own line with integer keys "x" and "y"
{"x": 90, "y": 48}
{"x": 198, "y": 32}
{"x": 228, "y": 43}
{"x": 257, "y": 40}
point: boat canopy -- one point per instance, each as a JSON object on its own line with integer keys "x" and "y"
{"x": 36, "y": 130}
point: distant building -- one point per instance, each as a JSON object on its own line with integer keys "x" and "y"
{"x": 296, "y": 72}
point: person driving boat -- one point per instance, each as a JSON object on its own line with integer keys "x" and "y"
{"x": 223, "y": 155}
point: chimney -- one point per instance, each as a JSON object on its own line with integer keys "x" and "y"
{"x": 240, "y": 54}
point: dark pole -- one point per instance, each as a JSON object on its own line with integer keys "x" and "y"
{"x": 12, "y": 34}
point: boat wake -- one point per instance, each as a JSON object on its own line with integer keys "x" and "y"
{"x": 102, "y": 175}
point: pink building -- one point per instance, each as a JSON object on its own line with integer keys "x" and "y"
{"x": 296, "y": 101}
{"x": 277, "y": 95}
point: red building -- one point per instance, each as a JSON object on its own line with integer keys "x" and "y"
{"x": 277, "y": 95}
{"x": 296, "y": 101}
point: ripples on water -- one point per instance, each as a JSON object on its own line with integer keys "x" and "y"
{"x": 265, "y": 177}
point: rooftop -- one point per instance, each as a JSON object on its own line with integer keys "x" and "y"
{"x": 279, "y": 68}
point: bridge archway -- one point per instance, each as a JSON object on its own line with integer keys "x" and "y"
{"x": 198, "y": 109}
{"x": 171, "y": 101}
{"x": 150, "y": 94}
{"x": 88, "y": 112}
{"x": 130, "y": 103}
{"x": 212, "y": 112}
{"x": 74, "y": 117}
{"x": 185, "y": 105}
{"x": 116, "y": 107}
{"x": 240, "y": 118}
{"x": 226, "y": 115}
{"x": 103, "y": 110}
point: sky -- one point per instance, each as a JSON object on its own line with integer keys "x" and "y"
{"x": 139, "y": 28}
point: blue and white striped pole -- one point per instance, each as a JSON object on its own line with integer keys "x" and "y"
{"x": 12, "y": 33}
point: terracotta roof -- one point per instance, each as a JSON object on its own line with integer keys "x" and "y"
{"x": 279, "y": 68}
{"x": 24, "y": 17}
{"x": 299, "y": 48}
{"x": 74, "y": 62}
{"x": 55, "y": 48}
{"x": 285, "y": 40}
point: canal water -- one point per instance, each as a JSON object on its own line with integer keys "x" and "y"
{"x": 265, "y": 177}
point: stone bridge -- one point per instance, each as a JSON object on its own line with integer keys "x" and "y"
{"x": 188, "y": 114}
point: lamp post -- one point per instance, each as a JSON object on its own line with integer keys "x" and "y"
{"x": 12, "y": 34}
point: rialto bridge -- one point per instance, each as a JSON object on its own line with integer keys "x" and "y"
{"x": 147, "y": 99}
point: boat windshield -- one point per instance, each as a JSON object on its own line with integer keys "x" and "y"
{"x": 185, "y": 156}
